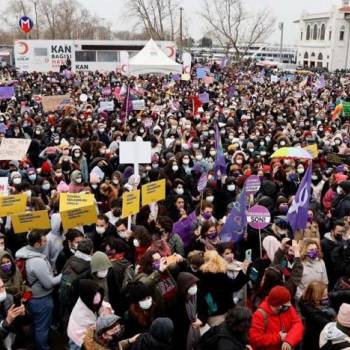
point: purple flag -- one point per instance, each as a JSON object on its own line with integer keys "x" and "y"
{"x": 127, "y": 106}
{"x": 6, "y": 92}
{"x": 202, "y": 182}
{"x": 231, "y": 91}
{"x": 184, "y": 228}
{"x": 220, "y": 166}
{"x": 320, "y": 84}
{"x": 297, "y": 213}
{"x": 224, "y": 62}
{"x": 204, "y": 97}
{"x": 236, "y": 221}
{"x": 176, "y": 77}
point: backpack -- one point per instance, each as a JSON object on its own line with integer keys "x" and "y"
{"x": 209, "y": 340}
{"x": 21, "y": 265}
{"x": 335, "y": 346}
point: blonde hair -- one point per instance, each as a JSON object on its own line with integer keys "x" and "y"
{"x": 314, "y": 293}
{"x": 305, "y": 244}
{"x": 214, "y": 263}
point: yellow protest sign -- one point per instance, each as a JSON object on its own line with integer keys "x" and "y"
{"x": 312, "y": 149}
{"x": 77, "y": 209}
{"x": 25, "y": 222}
{"x": 131, "y": 203}
{"x": 153, "y": 192}
{"x": 14, "y": 204}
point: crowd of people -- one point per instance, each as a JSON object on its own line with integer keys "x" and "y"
{"x": 149, "y": 286}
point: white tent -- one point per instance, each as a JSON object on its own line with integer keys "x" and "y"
{"x": 151, "y": 59}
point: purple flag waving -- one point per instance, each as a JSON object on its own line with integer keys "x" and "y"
{"x": 183, "y": 228}
{"x": 202, "y": 182}
{"x": 236, "y": 221}
{"x": 297, "y": 213}
{"x": 6, "y": 92}
{"x": 220, "y": 161}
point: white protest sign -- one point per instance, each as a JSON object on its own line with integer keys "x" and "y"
{"x": 107, "y": 106}
{"x": 138, "y": 105}
{"x": 98, "y": 173}
{"x": 4, "y": 186}
{"x": 14, "y": 149}
{"x": 132, "y": 152}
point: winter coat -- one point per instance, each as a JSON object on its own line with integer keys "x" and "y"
{"x": 265, "y": 335}
{"x": 332, "y": 333}
{"x": 217, "y": 289}
{"x": 328, "y": 245}
{"x": 39, "y": 272}
{"x": 341, "y": 206}
{"x": 340, "y": 294}
{"x": 13, "y": 280}
{"x": 90, "y": 343}
{"x": 176, "y": 244}
{"x": 314, "y": 270}
{"x": 314, "y": 320}
{"x": 228, "y": 340}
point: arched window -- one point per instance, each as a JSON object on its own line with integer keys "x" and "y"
{"x": 315, "y": 34}
{"x": 308, "y": 32}
{"x": 323, "y": 31}
{"x": 306, "y": 56}
{"x": 301, "y": 35}
{"x": 320, "y": 57}
{"x": 313, "y": 54}
{"x": 342, "y": 33}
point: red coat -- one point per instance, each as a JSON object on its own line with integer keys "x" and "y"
{"x": 268, "y": 338}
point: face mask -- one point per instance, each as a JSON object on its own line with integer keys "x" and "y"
{"x": 46, "y": 186}
{"x": 231, "y": 188}
{"x": 32, "y": 177}
{"x": 136, "y": 243}
{"x": 102, "y": 274}
{"x": 210, "y": 199}
{"x": 339, "y": 190}
{"x": 146, "y": 304}
{"x": 186, "y": 161}
{"x": 239, "y": 161}
{"x": 156, "y": 265}
{"x": 212, "y": 235}
{"x": 206, "y": 216}
{"x": 17, "y": 180}
{"x": 6, "y": 267}
{"x": 3, "y": 296}
{"x": 199, "y": 157}
{"x": 195, "y": 145}
{"x": 175, "y": 168}
{"x": 193, "y": 290}
{"x": 78, "y": 180}
{"x": 100, "y": 230}
{"x": 324, "y": 302}
{"x": 94, "y": 186}
{"x": 115, "y": 182}
{"x": 179, "y": 190}
{"x": 283, "y": 308}
{"x": 212, "y": 153}
{"x": 155, "y": 165}
{"x": 123, "y": 235}
{"x": 283, "y": 208}
{"x": 314, "y": 177}
{"x": 313, "y": 254}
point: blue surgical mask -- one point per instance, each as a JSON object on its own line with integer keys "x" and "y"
{"x": 32, "y": 177}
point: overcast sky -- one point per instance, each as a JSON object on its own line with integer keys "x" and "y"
{"x": 284, "y": 10}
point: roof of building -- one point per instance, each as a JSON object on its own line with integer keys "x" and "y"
{"x": 345, "y": 9}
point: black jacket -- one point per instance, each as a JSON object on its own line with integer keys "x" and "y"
{"x": 314, "y": 320}
{"x": 341, "y": 206}
{"x": 340, "y": 294}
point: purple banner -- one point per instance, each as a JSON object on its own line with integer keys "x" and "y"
{"x": 6, "y": 92}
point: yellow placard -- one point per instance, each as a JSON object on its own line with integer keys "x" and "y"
{"x": 25, "y": 222}
{"x": 131, "y": 203}
{"x": 75, "y": 200}
{"x": 14, "y": 204}
{"x": 78, "y": 217}
{"x": 153, "y": 192}
{"x": 312, "y": 149}
{"x": 185, "y": 77}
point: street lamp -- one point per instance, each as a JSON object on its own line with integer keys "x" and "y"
{"x": 281, "y": 28}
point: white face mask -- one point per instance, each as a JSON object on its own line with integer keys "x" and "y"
{"x": 231, "y": 188}
{"x": 3, "y": 296}
{"x": 146, "y": 303}
{"x": 46, "y": 186}
{"x": 100, "y": 230}
{"x": 186, "y": 161}
{"x": 17, "y": 180}
{"x": 300, "y": 170}
{"x": 179, "y": 190}
{"x": 102, "y": 274}
{"x": 210, "y": 199}
{"x": 199, "y": 157}
{"x": 193, "y": 290}
{"x": 123, "y": 235}
{"x": 339, "y": 190}
{"x": 136, "y": 243}
{"x": 212, "y": 153}
{"x": 175, "y": 168}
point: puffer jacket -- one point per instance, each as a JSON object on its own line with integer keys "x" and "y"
{"x": 264, "y": 332}
{"x": 333, "y": 334}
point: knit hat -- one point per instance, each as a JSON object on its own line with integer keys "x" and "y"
{"x": 106, "y": 322}
{"x": 279, "y": 295}
{"x": 345, "y": 185}
{"x": 162, "y": 329}
{"x": 137, "y": 291}
{"x": 344, "y": 315}
{"x": 100, "y": 262}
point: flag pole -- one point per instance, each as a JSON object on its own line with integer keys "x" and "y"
{"x": 260, "y": 243}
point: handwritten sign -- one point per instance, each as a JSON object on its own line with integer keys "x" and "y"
{"x": 14, "y": 149}
{"x": 55, "y": 102}
{"x": 153, "y": 192}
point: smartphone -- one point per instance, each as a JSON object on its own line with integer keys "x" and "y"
{"x": 17, "y": 299}
{"x": 248, "y": 255}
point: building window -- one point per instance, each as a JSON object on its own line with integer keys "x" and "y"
{"x": 320, "y": 57}
{"x": 315, "y": 34}
{"x": 308, "y": 32}
{"x": 342, "y": 33}
{"x": 301, "y": 35}
{"x": 323, "y": 31}
{"x": 330, "y": 35}
{"x": 306, "y": 56}
{"x": 85, "y": 56}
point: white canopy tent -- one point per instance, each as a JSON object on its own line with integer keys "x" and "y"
{"x": 151, "y": 59}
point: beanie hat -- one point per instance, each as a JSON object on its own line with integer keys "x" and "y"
{"x": 344, "y": 315}
{"x": 106, "y": 322}
{"x": 279, "y": 295}
{"x": 46, "y": 167}
{"x": 15, "y": 174}
{"x": 100, "y": 262}
{"x": 162, "y": 329}
{"x": 137, "y": 291}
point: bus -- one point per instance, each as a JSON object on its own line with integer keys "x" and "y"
{"x": 85, "y": 55}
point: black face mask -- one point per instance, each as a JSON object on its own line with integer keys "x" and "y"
{"x": 283, "y": 308}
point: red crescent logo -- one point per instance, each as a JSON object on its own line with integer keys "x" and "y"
{"x": 23, "y": 46}
{"x": 124, "y": 68}
{"x": 187, "y": 70}
{"x": 171, "y": 49}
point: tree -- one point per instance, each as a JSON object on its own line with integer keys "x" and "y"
{"x": 234, "y": 27}
{"x": 157, "y": 18}
{"x": 206, "y": 42}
